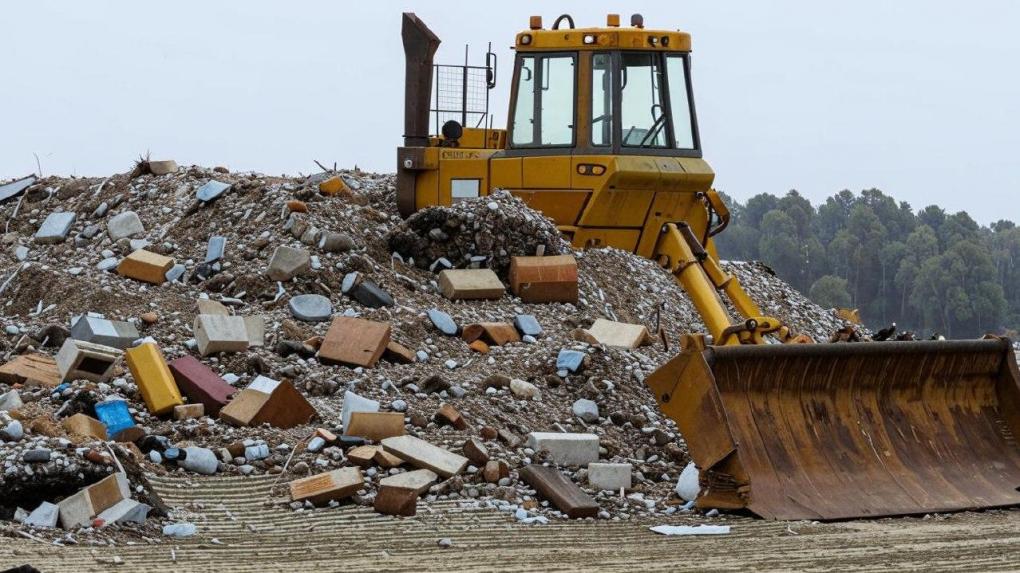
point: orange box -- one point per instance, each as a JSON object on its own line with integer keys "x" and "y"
{"x": 544, "y": 279}
{"x": 145, "y": 266}
{"x": 153, "y": 377}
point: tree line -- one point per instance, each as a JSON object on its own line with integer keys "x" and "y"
{"x": 930, "y": 272}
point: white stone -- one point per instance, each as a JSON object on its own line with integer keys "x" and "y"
{"x": 586, "y": 409}
{"x": 606, "y": 476}
{"x": 566, "y": 449}
{"x": 45, "y": 515}
{"x": 55, "y": 228}
{"x": 688, "y": 487}
{"x": 523, "y": 389}
{"x": 124, "y": 225}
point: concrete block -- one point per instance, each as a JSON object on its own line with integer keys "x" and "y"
{"x": 153, "y": 377}
{"x": 76, "y": 510}
{"x": 55, "y": 228}
{"x": 113, "y": 333}
{"x": 145, "y": 266}
{"x": 544, "y": 279}
{"x": 124, "y": 226}
{"x": 31, "y": 370}
{"x": 216, "y": 333}
{"x": 189, "y": 411}
{"x": 398, "y": 494}
{"x": 162, "y": 167}
{"x": 375, "y": 426}
{"x": 78, "y": 359}
{"x": 124, "y": 511}
{"x": 619, "y": 334}
{"x": 200, "y": 384}
{"x": 209, "y": 306}
{"x": 268, "y": 401}
{"x": 288, "y": 262}
{"x": 14, "y": 188}
{"x": 566, "y": 449}
{"x": 46, "y": 515}
{"x": 354, "y": 341}
{"x": 422, "y": 454}
{"x": 328, "y": 486}
{"x": 255, "y": 327}
{"x": 84, "y": 425}
{"x": 606, "y": 476}
{"x": 470, "y": 284}
{"x": 355, "y": 403}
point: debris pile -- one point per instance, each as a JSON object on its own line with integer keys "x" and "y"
{"x": 204, "y": 322}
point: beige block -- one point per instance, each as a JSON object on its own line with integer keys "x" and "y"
{"x": 375, "y": 425}
{"x": 422, "y": 454}
{"x": 619, "y": 334}
{"x": 328, "y": 486}
{"x": 470, "y": 284}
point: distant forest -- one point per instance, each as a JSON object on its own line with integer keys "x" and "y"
{"x": 929, "y": 271}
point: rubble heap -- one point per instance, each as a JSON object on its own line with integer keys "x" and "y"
{"x": 211, "y": 322}
{"x": 476, "y": 233}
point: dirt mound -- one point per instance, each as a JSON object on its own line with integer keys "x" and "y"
{"x": 481, "y": 232}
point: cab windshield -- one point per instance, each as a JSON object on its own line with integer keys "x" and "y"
{"x": 648, "y": 120}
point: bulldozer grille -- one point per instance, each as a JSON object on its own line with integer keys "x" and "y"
{"x": 836, "y": 431}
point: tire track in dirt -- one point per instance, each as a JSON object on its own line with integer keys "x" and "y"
{"x": 255, "y": 536}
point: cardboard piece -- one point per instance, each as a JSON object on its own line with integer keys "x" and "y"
{"x": 354, "y": 341}
{"x": 266, "y": 400}
{"x": 31, "y": 370}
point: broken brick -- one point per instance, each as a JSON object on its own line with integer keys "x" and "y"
{"x": 447, "y": 414}
{"x": 328, "y": 486}
{"x": 493, "y": 333}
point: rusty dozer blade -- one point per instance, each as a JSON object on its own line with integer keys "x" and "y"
{"x": 838, "y": 431}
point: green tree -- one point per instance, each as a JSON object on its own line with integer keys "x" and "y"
{"x": 830, "y": 292}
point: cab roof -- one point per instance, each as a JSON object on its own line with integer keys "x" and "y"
{"x": 635, "y": 37}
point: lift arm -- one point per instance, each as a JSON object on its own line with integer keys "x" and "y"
{"x": 680, "y": 251}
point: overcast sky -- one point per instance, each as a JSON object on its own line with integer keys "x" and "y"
{"x": 918, "y": 98}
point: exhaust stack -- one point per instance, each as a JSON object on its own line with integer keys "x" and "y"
{"x": 420, "y": 44}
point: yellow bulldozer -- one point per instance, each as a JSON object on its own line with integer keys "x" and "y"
{"x": 602, "y": 138}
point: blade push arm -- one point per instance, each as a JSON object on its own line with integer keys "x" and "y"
{"x": 680, "y": 251}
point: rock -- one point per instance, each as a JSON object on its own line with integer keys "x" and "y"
{"x": 124, "y": 226}
{"x": 688, "y": 486}
{"x": 216, "y": 248}
{"x": 398, "y": 406}
{"x": 316, "y": 444}
{"x": 182, "y": 529}
{"x": 435, "y": 384}
{"x": 110, "y": 263}
{"x": 569, "y": 361}
{"x": 21, "y": 252}
{"x": 311, "y": 307}
{"x": 444, "y": 322}
{"x": 13, "y": 431}
{"x": 527, "y": 325}
{"x": 200, "y": 460}
{"x": 332, "y": 242}
{"x": 495, "y": 471}
{"x": 288, "y": 262}
{"x": 55, "y": 228}
{"x": 370, "y": 294}
{"x": 10, "y": 401}
{"x": 445, "y": 543}
{"x": 36, "y": 456}
{"x": 211, "y": 190}
{"x": 586, "y": 410}
{"x": 522, "y": 389}
{"x": 447, "y": 414}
